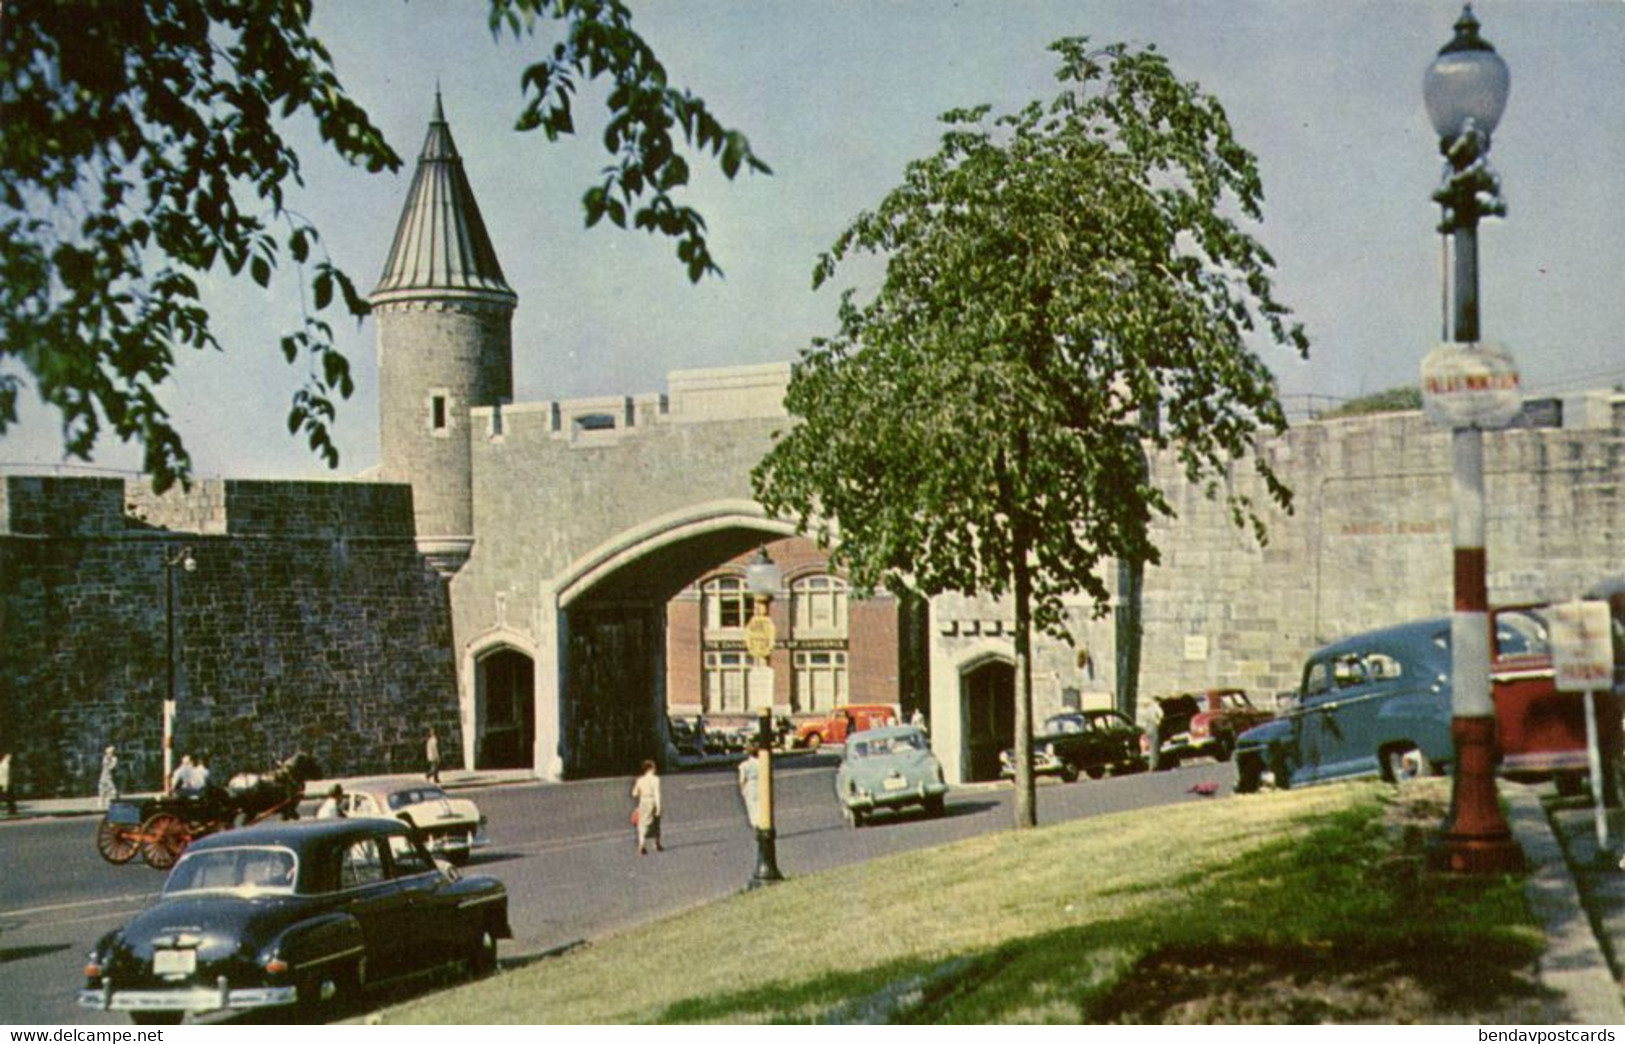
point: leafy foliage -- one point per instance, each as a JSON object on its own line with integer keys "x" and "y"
{"x": 1394, "y": 400}
{"x": 1062, "y": 285}
{"x": 143, "y": 153}
{"x": 645, "y": 113}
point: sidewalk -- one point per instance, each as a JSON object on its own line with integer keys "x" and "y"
{"x": 452, "y": 779}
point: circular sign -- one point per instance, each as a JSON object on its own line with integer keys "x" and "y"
{"x": 759, "y": 636}
{"x": 1471, "y": 386}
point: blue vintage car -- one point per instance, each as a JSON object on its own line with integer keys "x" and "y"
{"x": 891, "y": 767}
{"x": 1379, "y": 704}
{"x": 1374, "y": 704}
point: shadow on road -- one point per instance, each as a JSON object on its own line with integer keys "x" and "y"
{"x": 23, "y": 953}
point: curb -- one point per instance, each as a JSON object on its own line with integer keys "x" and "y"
{"x": 1573, "y": 964}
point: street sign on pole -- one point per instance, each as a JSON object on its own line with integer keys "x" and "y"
{"x": 1583, "y": 661}
{"x": 1582, "y": 646}
{"x": 1471, "y": 386}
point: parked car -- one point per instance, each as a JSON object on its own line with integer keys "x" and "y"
{"x": 452, "y": 827}
{"x": 889, "y": 768}
{"x": 1091, "y": 742}
{"x": 1380, "y": 704}
{"x": 843, "y": 721}
{"x": 1193, "y": 724}
{"x": 298, "y": 916}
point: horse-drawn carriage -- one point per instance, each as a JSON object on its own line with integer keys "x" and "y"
{"x": 159, "y": 829}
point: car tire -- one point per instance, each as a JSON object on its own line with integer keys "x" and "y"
{"x": 936, "y": 806}
{"x": 854, "y": 818}
{"x": 1226, "y": 747}
{"x": 1069, "y": 773}
{"x": 1249, "y": 774}
{"x": 459, "y": 856}
{"x": 1569, "y": 784}
{"x": 1407, "y": 762}
{"x": 482, "y": 956}
{"x": 157, "y": 1018}
{"x": 1095, "y": 771}
{"x": 313, "y": 1009}
{"x": 1161, "y": 762}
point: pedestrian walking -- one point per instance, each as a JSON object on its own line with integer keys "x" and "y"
{"x": 917, "y": 719}
{"x": 750, "y": 784}
{"x": 5, "y": 783}
{"x": 431, "y": 753}
{"x": 646, "y": 792}
{"x": 107, "y": 784}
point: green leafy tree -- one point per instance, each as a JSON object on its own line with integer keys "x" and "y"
{"x": 143, "y": 151}
{"x": 1392, "y": 400}
{"x": 1064, "y": 287}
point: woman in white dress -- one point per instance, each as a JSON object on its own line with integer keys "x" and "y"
{"x": 646, "y": 792}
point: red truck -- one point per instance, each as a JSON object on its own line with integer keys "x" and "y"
{"x": 843, "y": 721}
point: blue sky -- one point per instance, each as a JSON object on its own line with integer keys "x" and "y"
{"x": 839, "y": 96}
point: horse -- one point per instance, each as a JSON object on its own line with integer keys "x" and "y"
{"x": 255, "y": 794}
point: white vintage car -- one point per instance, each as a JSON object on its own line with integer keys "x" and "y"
{"x": 453, "y": 827}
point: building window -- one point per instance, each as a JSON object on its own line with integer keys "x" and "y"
{"x": 439, "y": 412}
{"x": 725, "y": 676}
{"x": 820, "y": 682}
{"x": 818, "y": 606}
{"x": 727, "y": 606}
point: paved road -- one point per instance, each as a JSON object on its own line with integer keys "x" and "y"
{"x": 566, "y": 853}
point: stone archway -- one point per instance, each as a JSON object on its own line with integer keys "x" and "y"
{"x": 987, "y": 695}
{"x": 608, "y": 680}
{"x": 504, "y": 726}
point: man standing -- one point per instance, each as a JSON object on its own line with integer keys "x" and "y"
{"x": 750, "y": 784}
{"x": 5, "y": 783}
{"x": 431, "y": 752}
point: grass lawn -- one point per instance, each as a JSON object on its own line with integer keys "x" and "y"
{"x": 1301, "y": 906}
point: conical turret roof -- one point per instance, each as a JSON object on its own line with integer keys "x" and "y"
{"x": 441, "y": 247}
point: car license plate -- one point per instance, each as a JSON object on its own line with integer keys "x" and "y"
{"x": 895, "y": 783}
{"x": 174, "y": 962}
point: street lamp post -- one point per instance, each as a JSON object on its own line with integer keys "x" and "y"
{"x": 1466, "y": 90}
{"x": 181, "y": 559}
{"x": 762, "y": 577}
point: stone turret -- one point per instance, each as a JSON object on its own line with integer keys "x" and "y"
{"x": 445, "y": 345}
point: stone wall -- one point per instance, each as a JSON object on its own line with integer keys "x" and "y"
{"x": 1367, "y": 544}
{"x": 309, "y": 622}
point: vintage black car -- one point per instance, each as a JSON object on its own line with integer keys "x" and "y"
{"x": 298, "y": 916}
{"x": 1091, "y": 742}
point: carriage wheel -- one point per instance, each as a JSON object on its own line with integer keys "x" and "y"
{"x": 116, "y": 843}
{"x": 163, "y": 838}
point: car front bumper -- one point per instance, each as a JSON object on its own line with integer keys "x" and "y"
{"x": 1044, "y": 764}
{"x": 867, "y": 801}
{"x": 191, "y": 999}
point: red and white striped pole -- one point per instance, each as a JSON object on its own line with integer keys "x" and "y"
{"x": 1466, "y": 89}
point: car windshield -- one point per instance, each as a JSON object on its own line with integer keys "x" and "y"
{"x": 416, "y": 796}
{"x": 235, "y": 870}
{"x": 888, "y": 745}
{"x": 1521, "y": 632}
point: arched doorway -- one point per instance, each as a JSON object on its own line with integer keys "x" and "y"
{"x": 988, "y": 694}
{"x": 504, "y": 710}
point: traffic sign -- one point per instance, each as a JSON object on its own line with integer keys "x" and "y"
{"x": 759, "y": 636}
{"x": 1471, "y": 386}
{"x": 1582, "y": 646}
